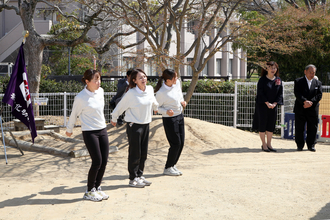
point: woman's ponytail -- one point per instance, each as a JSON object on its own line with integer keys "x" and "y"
{"x": 159, "y": 84}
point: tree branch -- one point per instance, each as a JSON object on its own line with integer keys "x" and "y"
{"x": 3, "y": 5}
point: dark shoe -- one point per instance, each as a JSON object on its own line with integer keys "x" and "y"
{"x": 272, "y": 149}
{"x": 267, "y": 150}
{"x": 299, "y": 149}
{"x": 312, "y": 149}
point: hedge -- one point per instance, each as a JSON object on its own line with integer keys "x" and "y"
{"x": 50, "y": 86}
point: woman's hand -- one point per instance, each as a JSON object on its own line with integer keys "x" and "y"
{"x": 184, "y": 104}
{"x": 170, "y": 112}
{"x": 68, "y": 134}
{"x": 113, "y": 123}
{"x": 269, "y": 105}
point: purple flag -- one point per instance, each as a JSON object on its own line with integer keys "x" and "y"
{"x": 18, "y": 94}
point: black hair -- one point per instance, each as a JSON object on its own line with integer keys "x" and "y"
{"x": 133, "y": 75}
{"x": 89, "y": 75}
{"x": 270, "y": 63}
{"x": 167, "y": 74}
{"x": 129, "y": 71}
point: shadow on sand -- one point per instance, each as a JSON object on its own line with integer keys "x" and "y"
{"x": 243, "y": 150}
{"x": 323, "y": 214}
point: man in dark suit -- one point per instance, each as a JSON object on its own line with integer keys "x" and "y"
{"x": 122, "y": 86}
{"x": 308, "y": 92}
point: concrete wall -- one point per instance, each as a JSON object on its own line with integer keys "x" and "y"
{"x": 13, "y": 39}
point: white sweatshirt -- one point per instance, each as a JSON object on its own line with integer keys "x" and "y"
{"x": 137, "y": 104}
{"x": 170, "y": 98}
{"x": 89, "y": 106}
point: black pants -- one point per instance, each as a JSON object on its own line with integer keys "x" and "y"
{"x": 97, "y": 144}
{"x": 138, "y": 138}
{"x": 300, "y": 121}
{"x": 174, "y": 129}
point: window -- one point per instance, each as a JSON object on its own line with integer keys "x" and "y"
{"x": 205, "y": 70}
{"x": 190, "y": 26}
{"x": 218, "y": 72}
{"x": 153, "y": 69}
{"x": 129, "y": 62}
{"x": 230, "y": 67}
{"x": 189, "y": 70}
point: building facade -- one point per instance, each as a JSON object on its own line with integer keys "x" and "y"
{"x": 227, "y": 62}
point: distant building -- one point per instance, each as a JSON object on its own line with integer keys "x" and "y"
{"x": 6, "y": 69}
{"x": 225, "y": 63}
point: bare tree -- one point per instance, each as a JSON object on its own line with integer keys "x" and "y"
{"x": 161, "y": 23}
{"x": 35, "y": 43}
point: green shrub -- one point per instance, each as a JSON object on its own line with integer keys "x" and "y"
{"x": 3, "y": 83}
{"x": 51, "y": 86}
{"x": 109, "y": 86}
{"x": 211, "y": 86}
{"x": 206, "y": 86}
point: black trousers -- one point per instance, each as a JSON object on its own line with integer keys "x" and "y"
{"x": 300, "y": 121}
{"x": 138, "y": 138}
{"x": 97, "y": 144}
{"x": 174, "y": 129}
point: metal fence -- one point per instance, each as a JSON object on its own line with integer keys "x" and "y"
{"x": 212, "y": 107}
{"x": 245, "y": 94}
{"x": 235, "y": 110}
{"x": 55, "y": 111}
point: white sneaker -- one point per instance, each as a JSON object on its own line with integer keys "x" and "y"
{"x": 137, "y": 182}
{"x": 171, "y": 172}
{"x": 146, "y": 182}
{"x": 101, "y": 193}
{"x": 176, "y": 169}
{"x": 93, "y": 196}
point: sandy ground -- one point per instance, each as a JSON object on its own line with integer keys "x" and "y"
{"x": 225, "y": 176}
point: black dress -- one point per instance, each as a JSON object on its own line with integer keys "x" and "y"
{"x": 267, "y": 91}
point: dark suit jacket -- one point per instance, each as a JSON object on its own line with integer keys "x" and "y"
{"x": 121, "y": 88}
{"x": 302, "y": 94}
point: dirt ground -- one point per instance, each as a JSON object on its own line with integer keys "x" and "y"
{"x": 225, "y": 176}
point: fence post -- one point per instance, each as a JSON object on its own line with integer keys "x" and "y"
{"x": 64, "y": 109}
{"x": 282, "y": 119}
{"x": 235, "y": 106}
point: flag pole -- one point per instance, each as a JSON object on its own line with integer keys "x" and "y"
{"x": 11, "y": 134}
{"x": 18, "y": 94}
{"x": 25, "y": 34}
{"x": 3, "y": 136}
{"x": 3, "y": 139}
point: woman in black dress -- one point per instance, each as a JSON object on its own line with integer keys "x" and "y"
{"x": 269, "y": 95}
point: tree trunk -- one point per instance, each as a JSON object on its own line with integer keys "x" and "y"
{"x": 34, "y": 51}
{"x": 192, "y": 87}
{"x": 33, "y": 47}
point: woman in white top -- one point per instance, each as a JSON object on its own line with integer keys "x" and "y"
{"x": 171, "y": 103}
{"x": 89, "y": 106}
{"x": 137, "y": 103}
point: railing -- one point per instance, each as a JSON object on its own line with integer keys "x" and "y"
{"x": 245, "y": 93}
